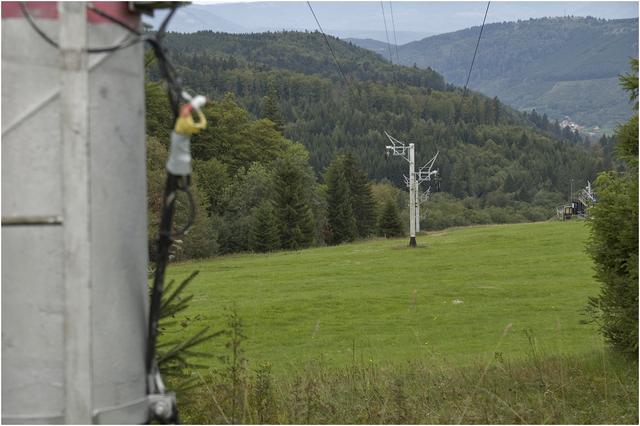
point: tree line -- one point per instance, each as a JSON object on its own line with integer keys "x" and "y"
{"x": 255, "y": 190}
{"x": 296, "y": 73}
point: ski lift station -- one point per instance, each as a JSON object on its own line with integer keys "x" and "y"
{"x": 74, "y": 219}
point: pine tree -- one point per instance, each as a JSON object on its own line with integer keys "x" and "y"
{"x": 614, "y": 238}
{"x": 295, "y": 219}
{"x": 271, "y": 108}
{"x": 389, "y": 224}
{"x": 340, "y": 218}
{"x": 496, "y": 109}
{"x": 362, "y": 202}
{"x": 265, "y": 235}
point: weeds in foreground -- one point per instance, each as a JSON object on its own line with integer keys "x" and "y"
{"x": 541, "y": 389}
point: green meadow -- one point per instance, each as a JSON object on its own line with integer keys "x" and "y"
{"x": 463, "y": 296}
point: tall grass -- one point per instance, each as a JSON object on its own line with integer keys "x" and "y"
{"x": 578, "y": 390}
{"x": 594, "y": 388}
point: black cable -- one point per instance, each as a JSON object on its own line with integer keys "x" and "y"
{"x": 173, "y": 184}
{"x": 384, "y": 18}
{"x": 45, "y": 37}
{"x": 113, "y": 19}
{"x": 335, "y": 59}
{"x": 167, "y": 70}
{"x": 37, "y": 29}
{"x": 123, "y": 45}
{"x": 464, "y": 93}
{"x": 184, "y": 187}
{"x": 163, "y": 26}
{"x": 139, "y": 36}
{"x": 393, "y": 24}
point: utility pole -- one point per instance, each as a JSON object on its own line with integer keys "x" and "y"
{"x": 571, "y": 193}
{"x": 398, "y": 148}
{"x": 412, "y": 196}
{"x": 423, "y": 175}
{"x": 416, "y": 191}
{"x": 74, "y": 110}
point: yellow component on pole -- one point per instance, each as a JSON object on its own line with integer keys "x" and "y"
{"x": 186, "y": 125}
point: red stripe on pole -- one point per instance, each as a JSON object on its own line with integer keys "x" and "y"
{"x": 38, "y": 9}
{"x": 49, "y": 10}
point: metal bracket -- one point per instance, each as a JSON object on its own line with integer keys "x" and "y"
{"x": 162, "y": 407}
{"x": 162, "y": 404}
{"x": 31, "y": 220}
{"x": 397, "y": 148}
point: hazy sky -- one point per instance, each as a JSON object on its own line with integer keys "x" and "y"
{"x": 413, "y": 20}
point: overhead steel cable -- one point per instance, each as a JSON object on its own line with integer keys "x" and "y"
{"x": 335, "y": 59}
{"x": 393, "y": 25}
{"x": 384, "y": 18}
{"x": 475, "y": 52}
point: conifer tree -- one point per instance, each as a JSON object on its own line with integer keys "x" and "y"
{"x": 389, "y": 224}
{"x": 295, "y": 219}
{"x": 265, "y": 235}
{"x": 362, "y": 202}
{"x": 340, "y": 218}
{"x": 614, "y": 237}
{"x": 271, "y": 108}
{"x": 496, "y": 110}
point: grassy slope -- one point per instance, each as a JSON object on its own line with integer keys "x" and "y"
{"x": 396, "y": 304}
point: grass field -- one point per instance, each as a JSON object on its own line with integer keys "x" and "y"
{"x": 476, "y": 325}
{"x": 378, "y": 301}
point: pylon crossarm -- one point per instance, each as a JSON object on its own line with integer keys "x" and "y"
{"x": 424, "y": 197}
{"x": 397, "y": 148}
{"x": 425, "y": 176}
{"x": 425, "y": 172}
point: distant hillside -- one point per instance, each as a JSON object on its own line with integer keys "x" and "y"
{"x": 379, "y": 47}
{"x": 488, "y": 151}
{"x": 558, "y": 66}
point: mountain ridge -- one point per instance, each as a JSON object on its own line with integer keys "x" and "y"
{"x": 487, "y": 150}
{"x": 561, "y": 74}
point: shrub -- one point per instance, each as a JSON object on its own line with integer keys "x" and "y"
{"x": 614, "y": 239}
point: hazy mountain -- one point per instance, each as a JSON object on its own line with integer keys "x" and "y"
{"x": 558, "y": 66}
{"x": 197, "y": 18}
{"x": 349, "y": 19}
{"x": 379, "y": 47}
{"x": 341, "y": 19}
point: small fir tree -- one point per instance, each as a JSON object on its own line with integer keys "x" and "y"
{"x": 265, "y": 234}
{"x": 389, "y": 224}
{"x": 271, "y": 109}
{"x": 340, "y": 218}
{"x": 294, "y": 215}
{"x": 362, "y": 201}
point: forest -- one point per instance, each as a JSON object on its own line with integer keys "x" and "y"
{"x": 283, "y": 119}
{"x": 563, "y": 66}
{"x": 293, "y": 158}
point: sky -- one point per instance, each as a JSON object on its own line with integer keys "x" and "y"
{"x": 413, "y": 20}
